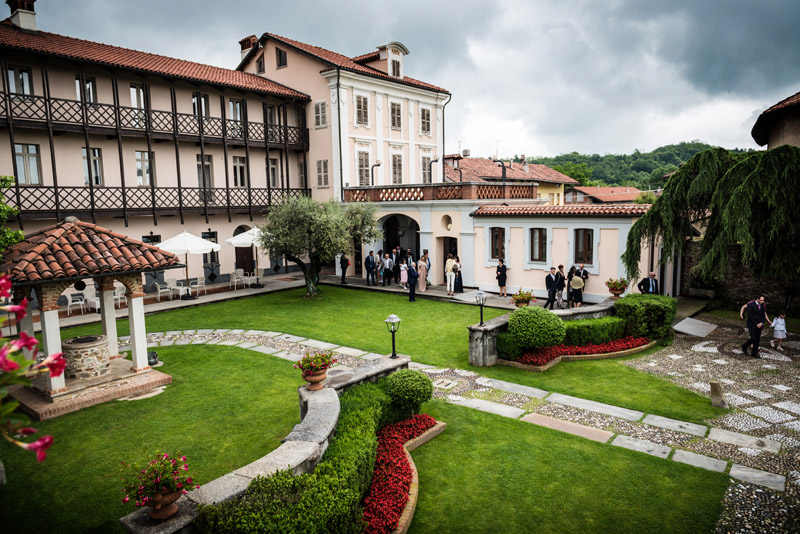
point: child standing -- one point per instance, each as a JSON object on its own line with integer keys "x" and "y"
{"x": 404, "y": 274}
{"x": 779, "y": 330}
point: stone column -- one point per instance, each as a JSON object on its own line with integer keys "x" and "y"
{"x": 108, "y": 314}
{"x": 483, "y": 341}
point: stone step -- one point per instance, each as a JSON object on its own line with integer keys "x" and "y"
{"x": 588, "y": 432}
{"x": 592, "y": 406}
{"x": 490, "y": 407}
{"x": 761, "y": 478}
{"x": 317, "y": 344}
{"x": 641, "y": 445}
{"x": 511, "y": 387}
{"x": 674, "y": 424}
{"x": 698, "y": 460}
{"x": 743, "y": 440}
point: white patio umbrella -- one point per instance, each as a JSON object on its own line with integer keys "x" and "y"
{"x": 186, "y": 243}
{"x": 247, "y": 239}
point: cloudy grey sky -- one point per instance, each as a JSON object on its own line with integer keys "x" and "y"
{"x": 527, "y": 76}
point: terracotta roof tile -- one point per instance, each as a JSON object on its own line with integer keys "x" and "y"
{"x": 611, "y": 194}
{"x": 760, "y": 131}
{"x": 633, "y": 210}
{"x": 103, "y": 54}
{"x": 347, "y": 63}
{"x": 481, "y": 170}
{"x": 369, "y": 56}
{"x": 62, "y": 251}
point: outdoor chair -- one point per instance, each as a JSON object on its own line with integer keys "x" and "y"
{"x": 91, "y": 299}
{"x": 237, "y": 277}
{"x": 173, "y": 285}
{"x": 199, "y": 284}
{"x": 250, "y": 279}
{"x": 162, "y": 289}
{"x": 76, "y": 299}
{"x": 119, "y": 295}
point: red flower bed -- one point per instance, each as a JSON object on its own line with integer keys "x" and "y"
{"x": 391, "y": 480}
{"x": 548, "y": 354}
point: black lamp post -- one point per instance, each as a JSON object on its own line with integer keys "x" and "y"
{"x": 480, "y": 299}
{"x": 372, "y": 172}
{"x": 393, "y": 325}
{"x": 503, "y": 165}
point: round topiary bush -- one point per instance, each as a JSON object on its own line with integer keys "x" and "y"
{"x": 408, "y": 389}
{"x": 536, "y": 327}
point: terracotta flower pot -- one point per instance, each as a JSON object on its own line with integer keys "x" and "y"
{"x": 521, "y": 304}
{"x": 616, "y": 292}
{"x": 163, "y": 505}
{"x": 315, "y": 379}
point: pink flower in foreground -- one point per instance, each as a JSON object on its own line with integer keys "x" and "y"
{"x": 19, "y": 309}
{"x": 56, "y": 363}
{"x": 126, "y": 499}
{"x": 27, "y": 431}
{"x": 40, "y": 446}
{"x": 5, "y": 286}
{"x": 24, "y": 342}
{"x": 7, "y": 365}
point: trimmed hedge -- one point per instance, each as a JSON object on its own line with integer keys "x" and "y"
{"x": 327, "y": 500}
{"x": 408, "y": 389}
{"x": 535, "y": 327}
{"x": 593, "y": 331}
{"x": 508, "y": 348}
{"x": 646, "y": 315}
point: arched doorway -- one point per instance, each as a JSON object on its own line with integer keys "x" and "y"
{"x": 245, "y": 259}
{"x": 403, "y": 231}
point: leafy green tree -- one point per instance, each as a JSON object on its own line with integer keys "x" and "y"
{"x": 645, "y": 197}
{"x": 8, "y": 236}
{"x": 579, "y": 171}
{"x": 303, "y": 228}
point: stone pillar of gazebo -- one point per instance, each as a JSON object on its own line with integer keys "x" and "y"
{"x": 47, "y": 294}
{"x": 135, "y": 299}
{"x": 108, "y": 314}
{"x": 26, "y": 323}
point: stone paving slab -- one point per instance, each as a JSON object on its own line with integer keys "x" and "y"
{"x": 255, "y": 333}
{"x": 350, "y": 351}
{"x": 237, "y": 331}
{"x": 592, "y": 406}
{"x": 693, "y": 327}
{"x": 789, "y": 406}
{"x": 419, "y": 366}
{"x": 674, "y": 424}
{"x": 152, "y": 344}
{"x": 221, "y": 330}
{"x": 292, "y": 339}
{"x": 230, "y": 342}
{"x": 317, "y": 344}
{"x": 189, "y": 332}
{"x": 743, "y": 440}
{"x": 286, "y": 355}
{"x": 273, "y": 334}
{"x": 155, "y": 334}
{"x": 588, "y": 432}
{"x": 167, "y": 342}
{"x": 371, "y": 356}
{"x": 264, "y": 350}
{"x": 698, "y": 460}
{"x": 199, "y": 341}
{"x": 511, "y": 387}
{"x": 761, "y": 478}
{"x": 213, "y": 342}
{"x": 183, "y": 342}
{"x": 490, "y": 407}
{"x": 247, "y": 345}
{"x": 175, "y": 333}
{"x": 641, "y": 445}
{"x": 204, "y": 331}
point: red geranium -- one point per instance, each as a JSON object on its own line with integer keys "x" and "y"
{"x": 547, "y": 354}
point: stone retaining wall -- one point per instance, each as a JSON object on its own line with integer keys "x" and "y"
{"x": 483, "y": 339}
{"x": 300, "y": 452}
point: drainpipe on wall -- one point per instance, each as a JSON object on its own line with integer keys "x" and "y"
{"x": 444, "y": 152}
{"x": 339, "y": 114}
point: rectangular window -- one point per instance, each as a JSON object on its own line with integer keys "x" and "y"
{"x": 144, "y": 168}
{"x": 322, "y": 173}
{"x": 397, "y": 116}
{"x": 151, "y": 239}
{"x": 201, "y": 105}
{"x": 362, "y": 111}
{"x": 498, "y": 243}
{"x": 395, "y": 68}
{"x": 538, "y": 244}
{"x": 551, "y": 199}
{"x": 29, "y": 166}
{"x": 97, "y": 167}
{"x": 397, "y": 169}
{"x": 211, "y": 257}
{"x": 137, "y": 96}
{"x": 235, "y": 109}
{"x": 239, "y": 171}
{"x": 301, "y": 174}
{"x": 425, "y": 121}
{"x": 363, "y": 169}
{"x": 273, "y": 172}
{"x": 320, "y": 115}
{"x": 426, "y": 169}
{"x": 205, "y": 172}
{"x": 270, "y": 114}
{"x": 19, "y": 81}
{"x": 280, "y": 57}
{"x": 584, "y": 245}
{"x": 260, "y": 65}
{"x": 89, "y": 89}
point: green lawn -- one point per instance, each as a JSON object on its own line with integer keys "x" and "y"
{"x": 225, "y": 408}
{"x": 431, "y": 332}
{"x": 488, "y": 474}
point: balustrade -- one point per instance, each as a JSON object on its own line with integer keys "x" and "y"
{"x": 442, "y": 191}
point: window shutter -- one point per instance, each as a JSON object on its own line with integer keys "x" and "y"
{"x": 323, "y": 114}
{"x": 317, "y": 118}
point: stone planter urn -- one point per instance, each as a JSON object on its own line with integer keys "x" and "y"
{"x": 521, "y": 304}
{"x": 163, "y": 505}
{"x": 315, "y": 379}
{"x": 616, "y": 293}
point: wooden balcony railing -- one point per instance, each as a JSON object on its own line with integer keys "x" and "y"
{"x": 34, "y": 108}
{"x": 40, "y": 202}
{"x": 442, "y": 191}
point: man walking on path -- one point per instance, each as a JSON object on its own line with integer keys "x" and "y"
{"x": 649, "y": 285}
{"x": 551, "y": 283}
{"x": 756, "y": 315}
{"x": 413, "y": 276}
{"x": 369, "y": 263}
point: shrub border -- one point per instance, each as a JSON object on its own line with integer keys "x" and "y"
{"x": 404, "y": 523}
{"x": 576, "y": 357}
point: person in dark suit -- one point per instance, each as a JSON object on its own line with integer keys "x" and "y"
{"x": 583, "y": 273}
{"x": 551, "y": 283}
{"x": 756, "y": 315}
{"x": 413, "y": 276}
{"x": 410, "y": 256}
{"x": 369, "y": 264}
{"x": 561, "y": 283}
{"x": 502, "y": 277}
{"x": 396, "y": 264}
{"x": 649, "y": 285}
{"x": 344, "y": 263}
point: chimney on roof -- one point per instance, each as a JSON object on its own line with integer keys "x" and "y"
{"x": 465, "y": 153}
{"x": 247, "y": 44}
{"x": 22, "y": 14}
{"x": 524, "y": 163}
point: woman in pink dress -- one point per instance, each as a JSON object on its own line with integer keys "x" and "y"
{"x": 422, "y": 269}
{"x": 404, "y": 274}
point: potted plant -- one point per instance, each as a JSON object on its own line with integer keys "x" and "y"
{"x": 522, "y": 298}
{"x": 157, "y": 483}
{"x": 617, "y": 286}
{"x": 315, "y": 368}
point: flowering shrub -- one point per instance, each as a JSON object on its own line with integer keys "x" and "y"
{"x": 391, "y": 480}
{"x": 617, "y": 284}
{"x": 162, "y": 474}
{"x": 315, "y": 361}
{"x": 548, "y": 354}
{"x": 16, "y": 369}
{"x": 522, "y": 296}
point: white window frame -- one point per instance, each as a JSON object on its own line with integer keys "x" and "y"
{"x": 392, "y": 104}
{"x": 366, "y": 106}
{"x": 201, "y": 166}
{"x": 428, "y": 133}
{"x": 272, "y": 172}
{"x": 301, "y": 174}
{"x": 399, "y": 157}
{"x": 260, "y": 64}
{"x": 322, "y": 173}
{"x": 594, "y": 242}
{"x": 97, "y": 159}
{"x": 21, "y": 78}
{"x": 528, "y": 245}
{"x": 28, "y": 158}
{"x": 321, "y": 114}
{"x": 141, "y": 156}
{"x": 488, "y": 261}
{"x": 240, "y": 178}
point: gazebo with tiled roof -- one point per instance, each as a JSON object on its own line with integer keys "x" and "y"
{"x": 54, "y": 258}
